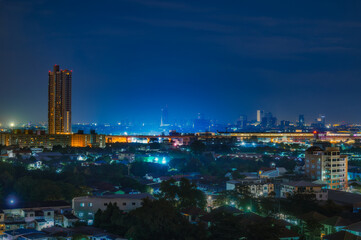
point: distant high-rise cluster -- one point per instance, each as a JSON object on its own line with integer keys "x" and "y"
{"x": 59, "y": 101}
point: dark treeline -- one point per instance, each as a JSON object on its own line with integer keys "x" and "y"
{"x": 72, "y": 181}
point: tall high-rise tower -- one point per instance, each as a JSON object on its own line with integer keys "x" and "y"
{"x": 301, "y": 120}
{"x": 164, "y": 121}
{"x": 59, "y": 102}
{"x": 259, "y": 115}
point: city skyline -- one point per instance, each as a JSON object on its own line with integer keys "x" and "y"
{"x": 223, "y": 60}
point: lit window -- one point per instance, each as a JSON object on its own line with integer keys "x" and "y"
{"x": 82, "y": 204}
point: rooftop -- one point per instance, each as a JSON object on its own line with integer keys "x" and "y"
{"x": 118, "y": 196}
{"x": 344, "y": 197}
{"x": 336, "y": 221}
{"x": 303, "y": 184}
{"x": 342, "y": 235}
{"x": 30, "y": 205}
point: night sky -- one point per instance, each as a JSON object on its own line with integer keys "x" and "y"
{"x": 222, "y": 58}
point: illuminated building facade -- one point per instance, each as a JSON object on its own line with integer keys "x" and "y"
{"x": 259, "y": 115}
{"x": 327, "y": 165}
{"x": 59, "y": 101}
{"x": 28, "y": 138}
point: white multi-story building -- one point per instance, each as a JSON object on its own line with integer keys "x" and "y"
{"x": 327, "y": 165}
{"x": 85, "y": 207}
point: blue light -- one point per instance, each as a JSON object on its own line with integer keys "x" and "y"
{"x": 164, "y": 161}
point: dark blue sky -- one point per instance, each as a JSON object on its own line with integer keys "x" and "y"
{"x": 223, "y": 58}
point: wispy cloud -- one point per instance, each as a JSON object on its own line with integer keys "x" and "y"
{"x": 171, "y": 5}
{"x": 186, "y": 24}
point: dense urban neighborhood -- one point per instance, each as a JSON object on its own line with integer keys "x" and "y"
{"x": 203, "y": 190}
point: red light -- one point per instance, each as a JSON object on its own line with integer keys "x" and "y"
{"x": 314, "y": 132}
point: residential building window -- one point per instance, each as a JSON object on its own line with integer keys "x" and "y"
{"x": 90, "y": 204}
{"x": 124, "y": 203}
{"x": 133, "y": 203}
{"x": 82, "y": 204}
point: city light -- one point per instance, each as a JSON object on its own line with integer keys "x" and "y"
{"x": 213, "y": 166}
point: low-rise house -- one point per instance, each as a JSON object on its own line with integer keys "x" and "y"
{"x": 36, "y": 164}
{"x": 47, "y": 156}
{"x": 32, "y": 215}
{"x": 354, "y": 228}
{"x": 25, "y": 153}
{"x": 303, "y": 187}
{"x": 342, "y": 235}
{"x": 272, "y": 172}
{"x": 85, "y": 207}
{"x": 261, "y": 190}
{"x": 25, "y": 234}
{"x": 86, "y": 232}
{"x": 130, "y": 157}
{"x": 334, "y": 224}
{"x": 193, "y": 214}
{"x": 256, "y": 187}
{"x": 286, "y": 234}
{"x": 69, "y": 220}
{"x": 351, "y": 200}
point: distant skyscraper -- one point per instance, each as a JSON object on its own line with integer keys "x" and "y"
{"x": 242, "y": 121}
{"x": 268, "y": 120}
{"x": 321, "y": 120}
{"x": 259, "y": 115}
{"x": 164, "y": 117}
{"x": 59, "y": 101}
{"x": 301, "y": 120}
{"x": 201, "y": 124}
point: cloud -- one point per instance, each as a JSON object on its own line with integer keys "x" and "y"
{"x": 185, "y": 24}
{"x": 170, "y": 5}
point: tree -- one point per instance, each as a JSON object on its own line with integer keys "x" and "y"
{"x": 111, "y": 219}
{"x": 288, "y": 164}
{"x": 159, "y": 219}
{"x": 183, "y": 194}
{"x": 197, "y": 147}
{"x": 227, "y": 226}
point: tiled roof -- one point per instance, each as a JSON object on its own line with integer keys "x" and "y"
{"x": 119, "y": 196}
